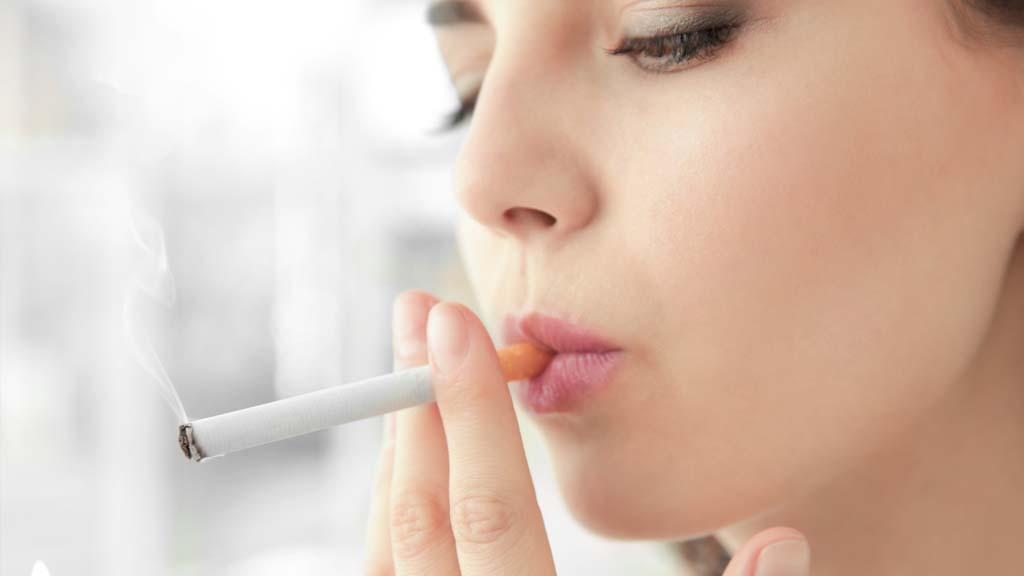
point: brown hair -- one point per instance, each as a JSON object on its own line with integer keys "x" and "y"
{"x": 986, "y": 19}
{"x": 1004, "y": 12}
{"x": 990, "y": 21}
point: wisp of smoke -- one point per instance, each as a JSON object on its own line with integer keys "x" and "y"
{"x": 153, "y": 280}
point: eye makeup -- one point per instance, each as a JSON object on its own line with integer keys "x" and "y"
{"x": 669, "y": 40}
{"x": 658, "y": 40}
{"x": 646, "y": 20}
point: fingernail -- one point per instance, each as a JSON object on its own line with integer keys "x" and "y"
{"x": 447, "y": 337}
{"x": 409, "y": 319}
{"x": 790, "y": 557}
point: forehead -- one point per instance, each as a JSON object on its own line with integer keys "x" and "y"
{"x": 448, "y": 13}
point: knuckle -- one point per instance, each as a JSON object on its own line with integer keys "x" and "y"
{"x": 483, "y": 518}
{"x": 418, "y": 519}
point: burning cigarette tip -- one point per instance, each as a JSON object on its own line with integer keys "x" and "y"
{"x": 187, "y": 444}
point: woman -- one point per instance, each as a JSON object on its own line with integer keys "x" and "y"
{"x": 790, "y": 230}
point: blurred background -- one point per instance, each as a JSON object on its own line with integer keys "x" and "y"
{"x": 223, "y": 196}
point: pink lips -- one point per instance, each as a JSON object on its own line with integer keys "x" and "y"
{"x": 582, "y": 364}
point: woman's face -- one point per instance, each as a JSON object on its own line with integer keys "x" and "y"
{"x": 797, "y": 236}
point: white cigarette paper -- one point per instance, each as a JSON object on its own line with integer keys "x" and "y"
{"x": 218, "y": 435}
{"x": 233, "y": 431}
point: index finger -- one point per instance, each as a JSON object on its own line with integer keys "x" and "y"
{"x": 494, "y": 514}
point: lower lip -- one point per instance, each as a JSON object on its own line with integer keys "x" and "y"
{"x": 567, "y": 381}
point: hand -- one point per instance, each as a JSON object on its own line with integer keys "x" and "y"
{"x": 454, "y": 494}
{"x": 453, "y": 491}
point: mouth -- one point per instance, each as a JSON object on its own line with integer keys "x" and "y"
{"x": 583, "y": 362}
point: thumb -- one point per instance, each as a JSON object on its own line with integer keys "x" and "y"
{"x": 777, "y": 551}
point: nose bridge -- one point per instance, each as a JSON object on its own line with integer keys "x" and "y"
{"x": 522, "y": 170}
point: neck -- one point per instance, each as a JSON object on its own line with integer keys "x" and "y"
{"x": 947, "y": 498}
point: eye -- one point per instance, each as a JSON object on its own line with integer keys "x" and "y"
{"x": 676, "y": 50}
{"x": 453, "y": 120}
{"x": 680, "y": 46}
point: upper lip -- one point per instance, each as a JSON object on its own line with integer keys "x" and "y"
{"x": 555, "y": 334}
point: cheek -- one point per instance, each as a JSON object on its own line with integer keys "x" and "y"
{"x": 838, "y": 247}
{"x": 822, "y": 268}
{"x": 807, "y": 275}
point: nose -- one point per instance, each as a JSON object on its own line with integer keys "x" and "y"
{"x": 522, "y": 171}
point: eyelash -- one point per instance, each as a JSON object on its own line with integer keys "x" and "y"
{"x": 676, "y": 48}
{"x": 457, "y": 117}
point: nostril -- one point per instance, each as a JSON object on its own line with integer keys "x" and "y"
{"x": 520, "y": 217}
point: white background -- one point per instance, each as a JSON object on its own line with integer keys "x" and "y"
{"x": 255, "y": 181}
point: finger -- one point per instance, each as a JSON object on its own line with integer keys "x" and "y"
{"x": 777, "y": 551}
{"x": 421, "y": 538}
{"x": 494, "y": 514}
{"x": 377, "y": 561}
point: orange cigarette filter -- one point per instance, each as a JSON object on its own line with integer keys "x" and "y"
{"x": 523, "y": 360}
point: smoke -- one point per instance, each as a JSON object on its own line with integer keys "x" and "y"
{"x": 152, "y": 282}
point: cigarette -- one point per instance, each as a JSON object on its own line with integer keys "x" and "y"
{"x": 289, "y": 417}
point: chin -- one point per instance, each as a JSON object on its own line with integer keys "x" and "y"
{"x": 622, "y": 506}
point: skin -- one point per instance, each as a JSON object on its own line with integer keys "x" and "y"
{"x": 807, "y": 247}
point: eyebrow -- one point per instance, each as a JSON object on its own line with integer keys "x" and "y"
{"x": 451, "y": 12}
